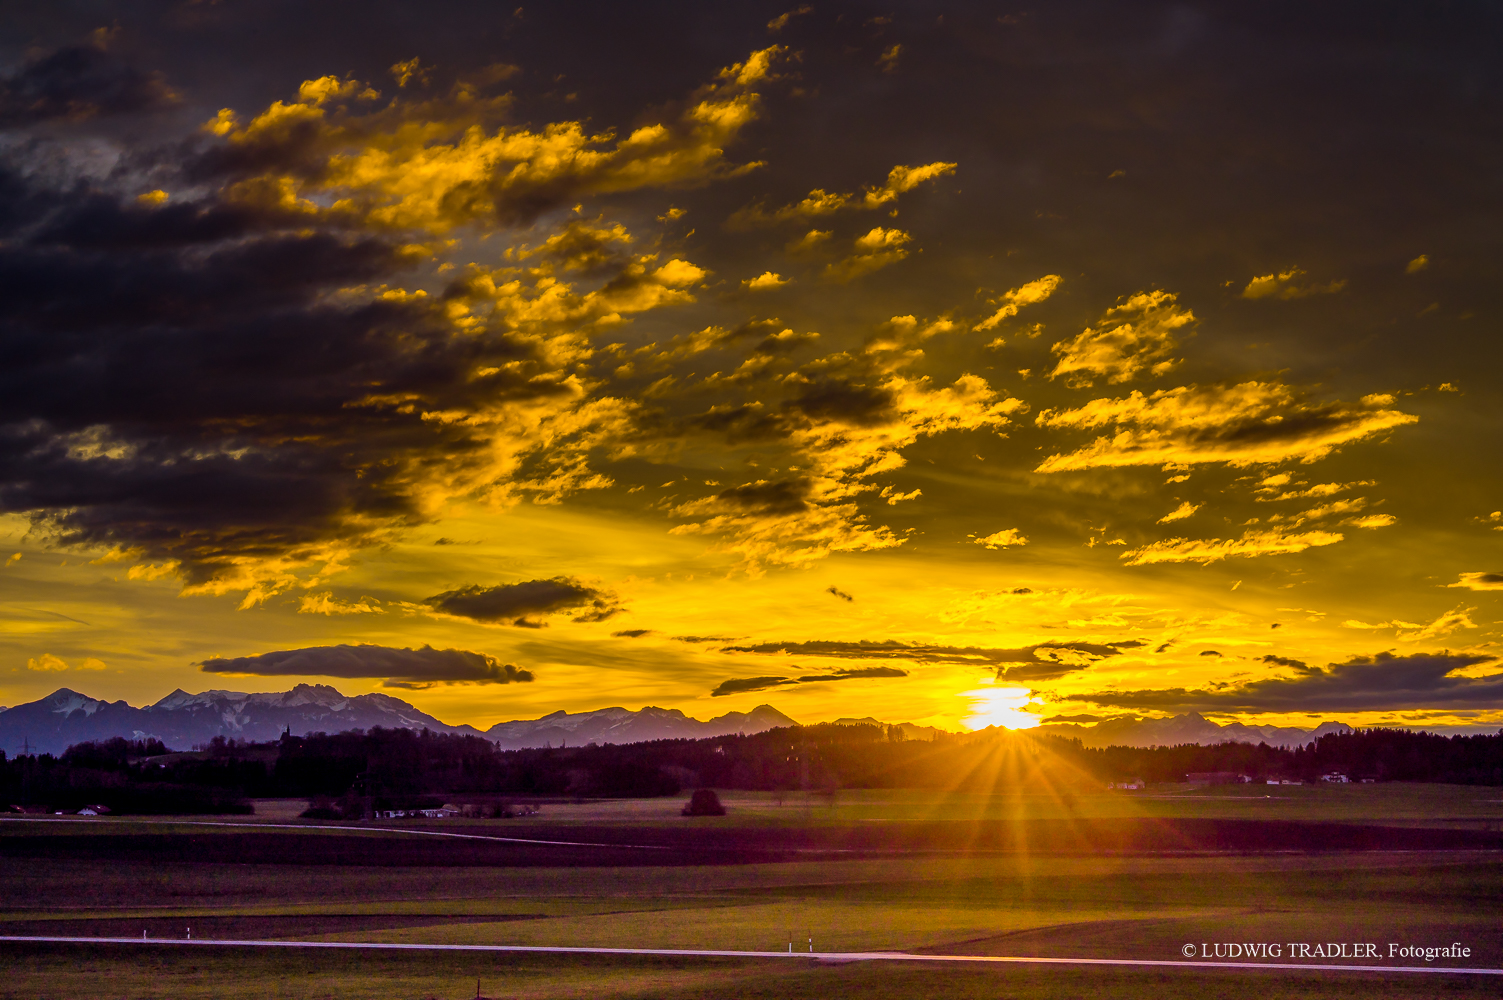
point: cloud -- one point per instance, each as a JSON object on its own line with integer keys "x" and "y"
{"x": 518, "y": 603}
{"x": 441, "y": 162}
{"x": 819, "y": 202}
{"x": 1184, "y": 510}
{"x": 403, "y": 668}
{"x": 781, "y": 21}
{"x": 1285, "y": 285}
{"x": 1458, "y": 617}
{"x": 264, "y": 372}
{"x": 1132, "y": 339}
{"x": 1365, "y": 683}
{"x": 850, "y": 419}
{"x": 1284, "y": 661}
{"x": 632, "y": 633}
{"x": 1042, "y": 661}
{"x": 1209, "y": 550}
{"x": 1418, "y": 264}
{"x": 1271, "y": 488}
{"x": 326, "y": 604}
{"x": 1245, "y": 424}
{"x": 874, "y": 251}
{"x": 1001, "y": 539}
{"x": 741, "y": 685}
{"x": 764, "y": 281}
{"x": 832, "y": 589}
{"x": 1032, "y": 293}
{"x": 745, "y": 684}
{"x": 1479, "y": 581}
{"x": 79, "y": 82}
{"x": 47, "y": 663}
{"x": 1372, "y": 521}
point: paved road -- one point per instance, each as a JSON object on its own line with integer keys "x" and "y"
{"x": 822, "y": 956}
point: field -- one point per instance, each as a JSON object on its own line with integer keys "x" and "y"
{"x": 916, "y": 872}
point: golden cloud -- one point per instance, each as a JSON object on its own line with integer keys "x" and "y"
{"x": 765, "y": 280}
{"x": 47, "y": 663}
{"x": 1001, "y": 539}
{"x": 874, "y": 251}
{"x": 1209, "y": 550}
{"x": 1458, "y": 617}
{"x": 819, "y": 202}
{"x": 848, "y": 433}
{"x": 1285, "y": 285}
{"x": 1479, "y": 581}
{"x": 1184, "y": 510}
{"x": 1245, "y": 424}
{"x": 1132, "y": 339}
{"x": 1026, "y": 295}
{"x": 440, "y": 163}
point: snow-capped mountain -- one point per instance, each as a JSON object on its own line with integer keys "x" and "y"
{"x": 620, "y": 725}
{"x": 1189, "y": 728}
{"x": 182, "y": 720}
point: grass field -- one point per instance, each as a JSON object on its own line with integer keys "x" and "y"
{"x": 1140, "y": 905}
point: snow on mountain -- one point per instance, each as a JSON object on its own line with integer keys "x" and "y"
{"x": 1189, "y": 728}
{"x": 183, "y": 720}
{"x": 620, "y": 725}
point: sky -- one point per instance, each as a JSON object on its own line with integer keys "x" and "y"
{"x": 959, "y": 364}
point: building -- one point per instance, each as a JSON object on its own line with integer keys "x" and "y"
{"x": 1216, "y": 778}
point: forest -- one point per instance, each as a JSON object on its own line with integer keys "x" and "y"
{"x": 354, "y": 773}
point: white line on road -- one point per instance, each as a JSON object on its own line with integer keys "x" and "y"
{"x": 826, "y": 956}
{"x": 361, "y": 829}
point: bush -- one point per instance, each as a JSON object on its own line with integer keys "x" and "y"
{"x": 704, "y": 803}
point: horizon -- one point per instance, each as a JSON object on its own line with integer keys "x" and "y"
{"x": 1129, "y": 719}
{"x": 956, "y": 369}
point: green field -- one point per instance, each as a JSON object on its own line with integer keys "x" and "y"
{"x": 1142, "y": 906}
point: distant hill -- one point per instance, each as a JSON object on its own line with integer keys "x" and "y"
{"x": 1189, "y": 728}
{"x": 619, "y": 725}
{"x": 182, "y": 720}
{"x": 910, "y": 730}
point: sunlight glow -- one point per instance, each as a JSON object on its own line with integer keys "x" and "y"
{"x": 999, "y": 706}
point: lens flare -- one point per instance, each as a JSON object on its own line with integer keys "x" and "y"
{"x": 999, "y": 706}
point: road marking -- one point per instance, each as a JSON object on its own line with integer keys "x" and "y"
{"x": 827, "y": 956}
{"x": 361, "y": 829}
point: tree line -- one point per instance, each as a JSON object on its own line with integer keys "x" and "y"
{"x": 355, "y": 772}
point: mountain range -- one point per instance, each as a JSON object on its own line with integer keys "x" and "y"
{"x": 1189, "y": 728}
{"x": 182, "y": 720}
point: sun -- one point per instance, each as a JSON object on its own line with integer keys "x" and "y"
{"x": 999, "y": 706}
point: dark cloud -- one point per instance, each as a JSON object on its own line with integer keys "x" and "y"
{"x": 1043, "y": 661}
{"x": 1021, "y": 590}
{"x": 832, "y": 589}
{"x": 744, "y": 684}
{"x": 182, "y": 382}
{"x": 632, "y": 633}
{"x": 401, "y": 668}
{"x": 517, "y": 603}
{"x": 705, "y": 638}
{"x": 1284, "y": 661}
{"x": 741, "y": 685}
{"x": 1210, "y": 652}
{"x": 76, "y": 83}
{"x": 782, "y": 496}
{"x": 847, "y": 402}
{"x": 1384, "y": 682}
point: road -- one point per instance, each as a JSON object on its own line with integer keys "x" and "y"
{"x": 820, "y": 956}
